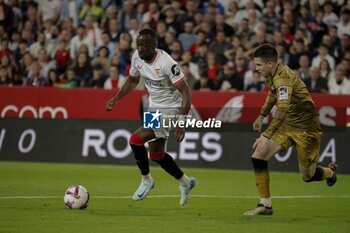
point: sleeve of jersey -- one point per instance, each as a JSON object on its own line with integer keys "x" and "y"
{"x": 174, "y": 72}
{"x": 284, "y": 92}
{"x": 269, "y": 103}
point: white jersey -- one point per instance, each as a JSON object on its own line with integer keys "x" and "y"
{"x": 160, "y": 75}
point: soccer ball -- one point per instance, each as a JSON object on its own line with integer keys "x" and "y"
{"x": 76, "y": 197}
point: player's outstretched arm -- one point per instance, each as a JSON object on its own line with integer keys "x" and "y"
{"x": 129, "y": 85}
{"x": 185, "y": 106}
{"x": 186, "y": 96}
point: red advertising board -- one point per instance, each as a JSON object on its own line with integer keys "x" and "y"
{"x": 81, "y": 103}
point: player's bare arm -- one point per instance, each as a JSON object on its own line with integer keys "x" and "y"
{"x": 185, "y": 107}
{"x": 129, "y": 85}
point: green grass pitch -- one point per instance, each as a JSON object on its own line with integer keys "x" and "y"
{"x": 31, "y": 200}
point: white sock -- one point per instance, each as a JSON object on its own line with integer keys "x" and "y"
{"x": 184, "y": 180}
{"x": 147, "y": 177}
{"x": 266, "y": 201}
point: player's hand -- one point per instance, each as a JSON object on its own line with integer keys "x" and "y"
{"x": 110, "y": 103}
{"x": 258, "y": 123}
{"x": 179, "y": 134}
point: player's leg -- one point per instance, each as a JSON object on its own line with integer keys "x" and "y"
{"x": 308, "y": 149}
{"x": 158, "y": 154}
{"x": 137, "y": 143}
{"x": 260, "y": 158}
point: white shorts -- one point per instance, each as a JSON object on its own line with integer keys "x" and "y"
{"x": 168, "y": 116}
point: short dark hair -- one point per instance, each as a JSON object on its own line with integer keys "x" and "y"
{"x": 149, "y": 32}
{"x": 266, "y": 52}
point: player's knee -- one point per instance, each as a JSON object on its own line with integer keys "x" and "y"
{"x": 136, "y": 140}
{"x": 259, "y": 164}
{"x": 156, "y": 155}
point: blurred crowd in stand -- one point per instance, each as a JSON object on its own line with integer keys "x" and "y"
{"x": 89, "y": 43}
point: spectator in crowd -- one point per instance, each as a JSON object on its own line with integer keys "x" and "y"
{"x": 5, "y": 50}
{"x": 7, "y": 18}
{"x": 344, "y": 23}
{"x": 14, "y": 42}
{"x": 213, "y": 67}
{"x": 71, "y": 80}
{"x": 323, "y": 54}
{"x": 200, "y": 38}
{"x": 244, "y": 32}
{"x": 49, "y": 10}
{"x": 95, "y": 10}
{"x": 62, "y": 57}
{"x": 53, "y": 78}
{"x": 296, "y": 51}
{"x": 204, "y": 83}
{"x": 45, "y": 63}
{"x": 152, "y": 15}
{"x": 70, "y": 9}
{"x": 221, "y": 25}
{"x": 187, "y": 38}
{"x": 112, "y": 14}
{"x": 134, "y": 31}
{"x": 339, "y": 84}
{"x": 191, "y": 80}
{"x": 304, "y": 67}
{"x": 325, "y": 69}
{"x": 161, "y": 38}
{"x": 186, "y": 58}
{"x": 4, "y": 77}
{"x": 115, "y": 79}
{"x": 83, "y": 69}
{"x": 113, "y": 29}
{"x": 125, "y": 15}
{"x": 343, "y": 47}
{"x": 170, "y": 19}
{"x": 316, "y": 83}
{"x": 8, "y": 65}
{"x": 35, "y": 79}
{"x": 40, "y": 43}
{"x": 176, "y": 50}
{"x": 93, "y": 32}
{"x": 330, "y": 18}
{"x": 249, "y": 75}
{"x": 200, "y": 56}
{"x": 25, "y": 64}
{"x": 106, "y": 42}
{"x": 229, "y": 80}
{"x": 79, "y": 39}
{"x": 219, "y": 46}
{"x": 98, "y": 78}
{"x": 257, "y": 85}
{"x": 188, "y": 14}
{"x": 270, "y": 17}
{"x": 102, "y": 59}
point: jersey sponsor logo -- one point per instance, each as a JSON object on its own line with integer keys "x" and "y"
{"x": 152, "y": 83}
{"x": 175, "y": 70}
{"x": 283, "y": 93}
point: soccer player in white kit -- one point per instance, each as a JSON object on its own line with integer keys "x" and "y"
{"x": 168, "y": 89}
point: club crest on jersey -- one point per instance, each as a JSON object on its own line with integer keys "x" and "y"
{"x": 283, "y": 93}
{"x": 157, "y": 71}
{"x": 175, "y": 70}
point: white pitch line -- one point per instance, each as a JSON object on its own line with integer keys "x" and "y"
{"x": 193, "y": 196}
